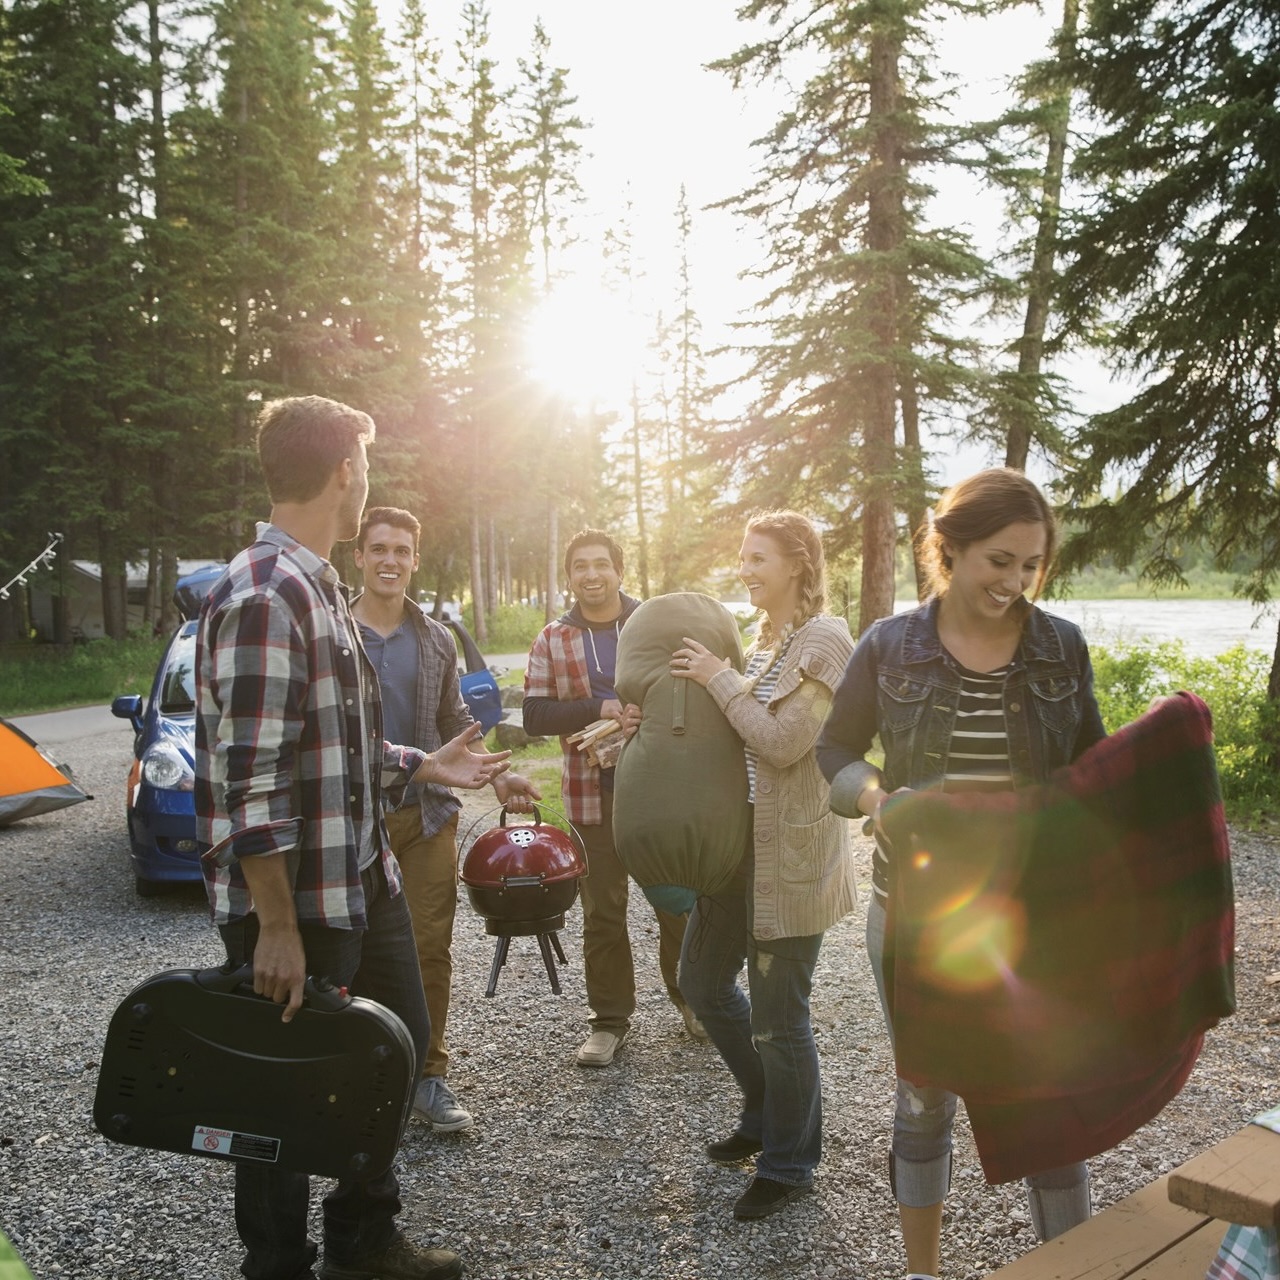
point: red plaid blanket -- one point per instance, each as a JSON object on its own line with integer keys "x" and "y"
{"x": 1056, "y": 953}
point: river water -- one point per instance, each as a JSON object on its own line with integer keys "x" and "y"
{"x": 1206, "y": 627}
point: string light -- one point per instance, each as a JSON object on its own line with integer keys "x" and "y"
{"x": 45, "y": 558}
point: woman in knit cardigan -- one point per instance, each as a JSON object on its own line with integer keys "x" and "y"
{"x": 797, "y": 882}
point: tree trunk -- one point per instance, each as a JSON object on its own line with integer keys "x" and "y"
{"x": 884, "y": 237}
{"x": 115, "y": 618}
{"x": 479, "y": 623}
{"x": 1040, "y": 279}
{"x": 913, "y": 467}
{"x": 492, "y": 560}
{"x": 553, "y": 561}
{"x": 637, "y": 472}
{"x": 1272, "y": 729}
{"x": 168, "y": 581}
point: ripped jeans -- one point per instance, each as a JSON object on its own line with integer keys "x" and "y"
{"x": 921, "y": 1159}
{"x": 766, "y": 1041}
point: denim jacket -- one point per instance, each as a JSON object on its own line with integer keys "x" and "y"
{"x": 903, "y": 685}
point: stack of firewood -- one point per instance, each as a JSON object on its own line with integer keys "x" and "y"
{"x": 602, "y": 741}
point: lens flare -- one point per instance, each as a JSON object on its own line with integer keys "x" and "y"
{"x": 975, "y": 944}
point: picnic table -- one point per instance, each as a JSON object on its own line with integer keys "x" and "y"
{"x": 1172, "y": 1228}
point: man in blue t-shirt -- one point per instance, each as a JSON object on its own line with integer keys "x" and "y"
{"x": 417, "y": 665}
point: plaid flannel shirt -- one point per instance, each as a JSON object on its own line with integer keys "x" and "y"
{"x": 441, "y": 712}
{"x": 557, "y": 668}
{"x": 282, "y": 766}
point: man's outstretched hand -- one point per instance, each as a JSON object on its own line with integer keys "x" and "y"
{"x": 456, "y": 765}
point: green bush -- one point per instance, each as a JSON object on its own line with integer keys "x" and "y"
{"x": 512, "y": 629}
{"x": 1234, "y": 684}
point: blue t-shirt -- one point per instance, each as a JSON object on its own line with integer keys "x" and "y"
{"x": 602, "y": 658}
{"x": 395, "y": 659}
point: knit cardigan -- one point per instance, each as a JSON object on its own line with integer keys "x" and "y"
{"x": 804, "y": 876}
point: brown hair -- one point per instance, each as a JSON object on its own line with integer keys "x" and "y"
{"x": 396, "y": 517}
{"x": 798, "y": 540}
{"x": 593, "y": 538}
{"x": 302, "y": 440}
{"x": 976, "y": 508}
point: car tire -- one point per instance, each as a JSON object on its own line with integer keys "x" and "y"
{"x": 148, "y": 888}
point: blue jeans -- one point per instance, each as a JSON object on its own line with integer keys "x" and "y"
{"x": 766, "y": 1041}
{"x": 922, "y": 1121}
{"x": 380, "y": 963}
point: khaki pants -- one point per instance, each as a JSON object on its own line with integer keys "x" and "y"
{"x": 429, "y": 867}
{"x": 606, "y": 946}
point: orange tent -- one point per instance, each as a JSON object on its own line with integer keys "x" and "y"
{"x": 30, "y": 782}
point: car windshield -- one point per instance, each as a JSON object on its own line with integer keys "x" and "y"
{"x": 178, "y": 687}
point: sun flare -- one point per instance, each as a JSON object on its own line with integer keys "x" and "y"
{"x": 582, "y": 343}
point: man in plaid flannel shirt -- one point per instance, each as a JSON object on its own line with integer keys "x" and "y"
{"x": 290, "y": 769}
{"x": 568, "y": 684}
{"x": 417, "y": 664}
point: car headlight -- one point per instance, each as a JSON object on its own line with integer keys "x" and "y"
{"x": 164, "y": 767}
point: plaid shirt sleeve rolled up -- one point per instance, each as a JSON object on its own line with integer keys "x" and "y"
{"x": 557, "y": 668}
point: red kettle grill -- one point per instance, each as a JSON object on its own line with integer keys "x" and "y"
{"x": 522, "y": 879}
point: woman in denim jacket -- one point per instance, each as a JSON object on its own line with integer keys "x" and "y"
{"x": 977, "y": 689}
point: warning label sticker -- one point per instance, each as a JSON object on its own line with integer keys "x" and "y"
{"x": 239, "y": 1146}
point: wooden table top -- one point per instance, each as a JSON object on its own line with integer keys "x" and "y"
{"x": 1236, "y": 1181}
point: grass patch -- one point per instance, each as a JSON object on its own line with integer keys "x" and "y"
{"x": 50, "y": 677}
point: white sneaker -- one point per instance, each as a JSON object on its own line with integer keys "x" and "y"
{"x": 598, "y": 1049}
{"x": 434, "y": 1102}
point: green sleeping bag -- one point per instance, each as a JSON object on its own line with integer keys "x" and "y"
{"x": 681, "y": 821}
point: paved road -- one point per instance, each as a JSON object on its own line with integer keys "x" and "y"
{"x": 81, "y": 722}
{"x": 68, "y": 726}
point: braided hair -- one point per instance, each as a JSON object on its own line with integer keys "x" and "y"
{"x": 798, "y": 541}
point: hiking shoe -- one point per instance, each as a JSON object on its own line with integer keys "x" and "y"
{"x": 693, "y": 1025}
{"x": 400, "y": 1260}
{"x": 737, "y": 1146}
{"x": 434, "y": 1102}
{"x": 765, "y": 1196}
{"x": 598, "y": 1049}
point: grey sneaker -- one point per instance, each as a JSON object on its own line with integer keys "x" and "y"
{"x": 434, "y": 1102}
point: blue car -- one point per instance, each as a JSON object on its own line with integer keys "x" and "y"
{"x": 159, "y": 800}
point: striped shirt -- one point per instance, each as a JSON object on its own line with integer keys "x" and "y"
{"x": 978, "y": 757}
{"x": 762, "y": 692}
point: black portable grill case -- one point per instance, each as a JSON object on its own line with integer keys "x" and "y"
{"x": 194, "y": 1062}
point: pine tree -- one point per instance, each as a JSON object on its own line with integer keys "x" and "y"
{"x": 858, "y": 287}
{"x": 546, "y": 156}
{"x": 488, "y": 243}
{"x": 690, "y": 480}
{"x": 1172, "y": 271}
{"x": 72, "y": 372}
{"x": 1023, "y": 405}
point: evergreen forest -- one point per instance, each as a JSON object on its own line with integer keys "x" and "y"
{"x": 207, "y": 204}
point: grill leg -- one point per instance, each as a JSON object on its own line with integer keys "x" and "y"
{"x": 544, "y": 945}
{"x": 555, "y": 942}
{"x": 499, "y": 959}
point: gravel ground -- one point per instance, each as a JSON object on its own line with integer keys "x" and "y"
{"x": 567, "y": 1173}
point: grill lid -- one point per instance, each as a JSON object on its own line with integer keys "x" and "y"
{"x": 534, "y": 853}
